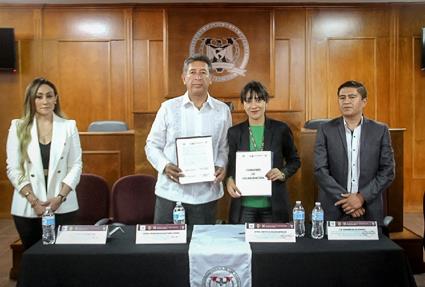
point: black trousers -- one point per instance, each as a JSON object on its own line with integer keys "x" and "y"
{"x": 204, "y": 213}
{"x": 30, "y": 231}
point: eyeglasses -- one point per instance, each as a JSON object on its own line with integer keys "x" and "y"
{"x": 350, "y": 97}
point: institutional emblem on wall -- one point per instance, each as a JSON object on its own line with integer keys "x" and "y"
{"x": 226, "y": 46}
{"x": 221, "y": 276}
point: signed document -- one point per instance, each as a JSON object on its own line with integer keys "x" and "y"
{"x": 195, "y": 159}
{"x": 251, "y": 169}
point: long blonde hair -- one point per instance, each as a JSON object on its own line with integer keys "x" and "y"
{"x": 27, "y": 119}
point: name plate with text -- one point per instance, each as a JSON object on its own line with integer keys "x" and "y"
{"x": 269, "y": 232}
{"x": 82, "y": 234}
{"x": 352, "y": 230}
{"x": 161, "y": 233}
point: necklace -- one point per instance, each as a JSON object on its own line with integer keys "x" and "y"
{"x": 254, "y": 144}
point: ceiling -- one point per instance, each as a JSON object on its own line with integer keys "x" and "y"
{"x": 196, "y": 1}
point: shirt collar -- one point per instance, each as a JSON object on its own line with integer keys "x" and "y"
{"x": 186, "y": 100}
{"x": 346, "y": 125}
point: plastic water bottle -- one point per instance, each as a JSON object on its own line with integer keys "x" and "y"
{"x": 48, "y": 226}
{"x": 317, "y": 217}
{"x": 298, "y": 215}
{"x": 179, "y": 214}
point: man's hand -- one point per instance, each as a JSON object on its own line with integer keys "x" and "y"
{"x": 219, "y": 174}
{"x": 173, "y": 172}
{"x": 232, "y": 188}
{"x": 358, "y": 212}
{"x": 275, "y": 174}
{"x": 350, "y": 202}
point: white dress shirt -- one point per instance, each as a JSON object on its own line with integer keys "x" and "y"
{"x": 353, "y": 154}
{"x": 179, "y": 117}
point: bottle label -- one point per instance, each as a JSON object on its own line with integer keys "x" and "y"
{"x": 317, "y": 216}
{"x": 178, "y": 215}
{"x": 298, "y": 215}
{"x": 48, "y": 220}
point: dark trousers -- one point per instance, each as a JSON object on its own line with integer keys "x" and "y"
{"x": 30, "y": 231}
{"x": 204, "y": 213}
{"x": 254, "y": 215}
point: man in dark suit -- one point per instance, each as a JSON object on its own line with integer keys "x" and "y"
{"x": 256, "y": 134}
{"x": 354, "y": 161}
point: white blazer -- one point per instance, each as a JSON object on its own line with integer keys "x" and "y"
{"x": 65, "y": 166}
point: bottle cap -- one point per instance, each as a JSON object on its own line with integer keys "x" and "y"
{"x": 179, "y": 203}
{"x": 298, "y": 202}
{"x": 317, "y": 203}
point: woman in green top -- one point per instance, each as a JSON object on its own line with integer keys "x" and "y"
{"x": 256, "y": 134}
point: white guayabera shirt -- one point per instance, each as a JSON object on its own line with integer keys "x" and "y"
{"x": 179, "y": 117}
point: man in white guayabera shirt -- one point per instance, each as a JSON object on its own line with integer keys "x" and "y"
{"x": 354, "y": 160}
{"x": 195, "y": 113}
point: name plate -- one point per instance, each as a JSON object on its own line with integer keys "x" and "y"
{"x": 82, "y": 234}
{"x": 161, "y": 233}
{"x": 269, "y": 232}
{"x": 352, "y": 230}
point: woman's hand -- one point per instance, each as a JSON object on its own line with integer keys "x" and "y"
{"x": 39, "y": 208}
{"x": 275, "y": 174}
{"x": 232, "y": 189}
{"x": 54, "y": 203}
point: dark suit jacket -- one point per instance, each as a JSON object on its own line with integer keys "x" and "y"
{"x": 278, "y": 139}
{"x": 331, "y": 166}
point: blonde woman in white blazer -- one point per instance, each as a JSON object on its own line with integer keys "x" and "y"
{"x": 43, "y": 162}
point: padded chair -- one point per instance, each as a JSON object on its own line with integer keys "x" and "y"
{"x": 107, "y": 126}
{"x": 315, "y": 123}
{"x": 93, "y": 200}
{"x": 133, "y": 199}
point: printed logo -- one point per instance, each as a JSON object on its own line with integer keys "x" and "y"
{"x": 229, "y": 54}
{"x": 221, "y": 276}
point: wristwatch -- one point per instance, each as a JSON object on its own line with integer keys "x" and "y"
{"x": 63, "y": 198}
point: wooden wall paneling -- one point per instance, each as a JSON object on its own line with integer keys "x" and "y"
{"x": 148, "y": 75}
{"x": 180, "y": 34}
{"x": 148, "y": 53}
{"x": 26, "y": 23}
{"x": 142, "y": 124}
{"x": 411, "y": 84}
{"x": 141, "y": 75}
{"x": 290, "y": 26}
{"x": 86, "y": 55}
{"x": 110, "y": 155}
{"x": 348, "y": 43}
{"x": 341, "y": 67}
{"x": 119, "y": 90}
{"x": 83, "y": 23}
{"x": 84, "y": 71}
{"x": 22, "y": 19}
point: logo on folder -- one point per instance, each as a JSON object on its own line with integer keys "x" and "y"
{"x": 226, "y": 46}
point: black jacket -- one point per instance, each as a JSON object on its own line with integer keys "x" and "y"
{"x": 278, "y": 139}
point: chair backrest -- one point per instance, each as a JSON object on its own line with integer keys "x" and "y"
{"x": 133, "y": 199}
{"x": 314, "y": 124}
{"x": 93, "y": 199}
{"x": 107, "y": 126}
